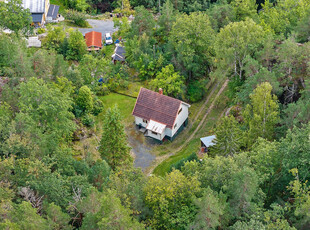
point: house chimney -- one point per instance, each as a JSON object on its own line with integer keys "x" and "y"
{"x": 160, "y": 91}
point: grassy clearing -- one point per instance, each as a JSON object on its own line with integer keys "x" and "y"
{"x": 133, "y": 89}
{"x": 108, "y": 50}
{"x": 88, "y": 145}
{"x": 164, "y": 167}
{"x": 124, "y": 103}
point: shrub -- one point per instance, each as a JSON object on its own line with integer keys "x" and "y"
{"x": 98, "y": 106}
{"x": 78, "y": 18}
{"x": 88, "y": 120}
{"x": 102, "y": 90}
{"x": 180, "y": 163}
{"x": 85, "y": 99}
{"x": 41, "y": 31}
{"x": 195, "y": 90}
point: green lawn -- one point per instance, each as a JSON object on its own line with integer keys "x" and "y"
{"x": 133, "y": 89}
{"x": 164, "y": 167}
{"x": 124, "y": 103}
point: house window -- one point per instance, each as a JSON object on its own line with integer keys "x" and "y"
{"x": 180, "y": 111}
{"x": 144, "y": 120}
{"x": 154, "y": 133}
{"x": 175, "y": 125}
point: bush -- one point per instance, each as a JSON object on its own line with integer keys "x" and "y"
{"x": 85, "y": 99}
{"x": 41, "y": 31}
{"x": 88, "y": 120}
{"x": 180, "y": 163}
{"x": 196, "y": 90}
{"x": 99, "y": 174}
{"x": 78, "y": 18}
{"x": 102, "y": 90}
{"x": 98, "y": 106}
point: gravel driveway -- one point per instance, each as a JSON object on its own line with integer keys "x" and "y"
{"x": 103, "y": 26}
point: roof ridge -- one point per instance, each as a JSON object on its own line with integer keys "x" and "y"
{"x": 162, "y": 94}
{"x": 156, "y": 110}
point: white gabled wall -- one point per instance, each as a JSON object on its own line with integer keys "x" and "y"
{"x": 139, "y": 121}
{"x": 180, "y": 118}
{"x": 168, "y": 132}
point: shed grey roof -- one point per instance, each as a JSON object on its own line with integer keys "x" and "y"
{"x": 119, "y": 53}
{"x": 37, "y": 17}
{"x": 208, "y": 141}
{"x": 53, "y": 11}
{"x": 35, "y": 6}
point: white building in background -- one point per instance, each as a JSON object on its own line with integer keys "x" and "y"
{"x": 159, "y": 116}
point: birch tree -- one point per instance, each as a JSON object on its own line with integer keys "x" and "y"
{"x": 262, "y": 114}
{"x": 234, "y": 43}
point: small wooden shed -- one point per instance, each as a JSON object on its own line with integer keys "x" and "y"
{"x": 207, "y": 142}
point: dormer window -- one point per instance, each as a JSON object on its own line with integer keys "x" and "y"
{"x": 144, "y": 121}
{"x": 180, "y": 111}
{"x": 175, "y": 125}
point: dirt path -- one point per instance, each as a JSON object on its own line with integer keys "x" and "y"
{"x": 160, "y": 159}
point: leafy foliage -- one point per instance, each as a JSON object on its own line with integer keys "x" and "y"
{"x": 262, "y": 114}
{"x": 78, "y": 18}
{"x": 191, "y": 38}
{"x": 13, "y": 16}
{"x": 171, "y": 82}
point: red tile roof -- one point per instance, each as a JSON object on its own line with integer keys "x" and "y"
{"x": 93, "y": 39}
{"x": 158, "y": 107}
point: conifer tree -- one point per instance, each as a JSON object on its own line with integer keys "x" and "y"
{"x": 228, "y": 137}
{"x": 113, "y": 145}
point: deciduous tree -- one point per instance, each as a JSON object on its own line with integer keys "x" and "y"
{"x": 192, "y": 39}
{"x": 234, "y": 42}
{"x": 262, "y": 114}
{"x": 85, "y": 99}
{"x": 76, "y": 45}
{"x": 171, "y": 82}
{"x": 171, "y": 200}
{"x": 14, "y": 16}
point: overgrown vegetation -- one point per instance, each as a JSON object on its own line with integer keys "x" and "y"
{"x": 56, "y": 98}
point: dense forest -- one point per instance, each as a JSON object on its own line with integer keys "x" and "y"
{"x": 255, "y": 177}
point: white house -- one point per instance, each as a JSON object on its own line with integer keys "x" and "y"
{"x": 159, "y": 115}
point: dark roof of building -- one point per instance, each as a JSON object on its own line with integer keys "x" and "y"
{"x": 119, "y": 54}
{"x": 35, "y": 6}
{"x": 93, "y": 39}
{"x": 53, "y": 11}
{"x": 151, "y": 105}
{"x": 37, "y": 17}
